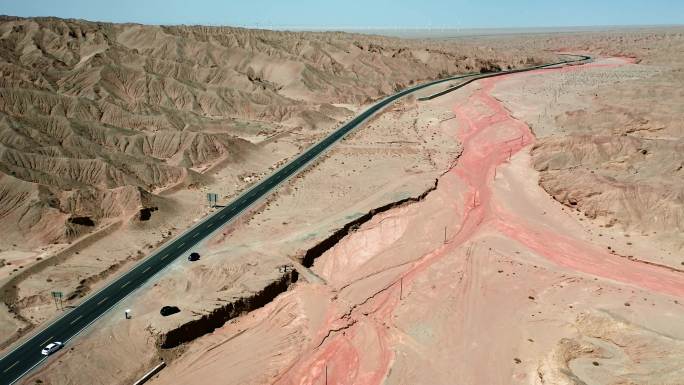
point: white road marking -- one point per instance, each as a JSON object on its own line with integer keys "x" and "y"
{"x": 102, "y": 300}
{"x": 148, "y": 267}
{"x": 164, "y": 257}
{"x": 125, "y": 284}
{"x": 76, "y": 319}
{"x": 10, "y": 367}
{"x": 46, "y": 341}
{"x": 195, "y": 236}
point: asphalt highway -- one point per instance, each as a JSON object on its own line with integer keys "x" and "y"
{"x": 26, "y": 356}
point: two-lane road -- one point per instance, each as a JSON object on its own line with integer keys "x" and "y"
{"x": 26, "y": 356}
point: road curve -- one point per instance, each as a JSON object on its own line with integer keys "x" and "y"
{"x": 26, "y": 355}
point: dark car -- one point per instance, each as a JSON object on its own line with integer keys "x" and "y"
{"x": 169, "y": 310}
{"x": 193, "y": 257}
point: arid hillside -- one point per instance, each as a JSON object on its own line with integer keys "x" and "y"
{"x": 617, "y": 151}
{"x": 111, "y": 134}
{"x": 95, "y": 118}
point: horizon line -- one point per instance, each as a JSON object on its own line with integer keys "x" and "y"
{"x": 294, "y": 27}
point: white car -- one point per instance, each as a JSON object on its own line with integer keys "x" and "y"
{"x": 51, "y": 348}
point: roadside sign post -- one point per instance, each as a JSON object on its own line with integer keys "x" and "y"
{"x": 212, "y": 198}
{"x": 57, "y": 296}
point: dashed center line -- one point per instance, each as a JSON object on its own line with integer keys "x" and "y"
{"x": 46, "y": 341}
{"x": 102, "y": 300}
{"x": 148, "y": 267}
{"x": 195, "y": 235}
{"x": 125, "y": 284}
{"x": 164, "y": 257}
{"x": 180, "y": 245}
{"x": 10, "y": 367}
{"x": 75, "y": 319}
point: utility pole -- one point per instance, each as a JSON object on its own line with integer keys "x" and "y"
{"x": 401, "y": 287}
{"x": 445, "y": 238}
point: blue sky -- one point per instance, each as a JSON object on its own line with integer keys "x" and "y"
{"x": 360, "y": 13}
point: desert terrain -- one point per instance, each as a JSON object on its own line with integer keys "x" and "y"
{"x": 522, "y": 229}
{"x": 113, "y": 134}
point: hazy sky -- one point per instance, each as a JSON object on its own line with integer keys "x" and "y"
{"x": 361, "y": 13}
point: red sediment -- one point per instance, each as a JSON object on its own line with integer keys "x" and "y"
{"x": 476, "y": 167}
{"x": 587, "y": 258}
{"x": 563, "y": 250}
{"x": 358, "y": 351}
{"x": 339, "y": 360}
